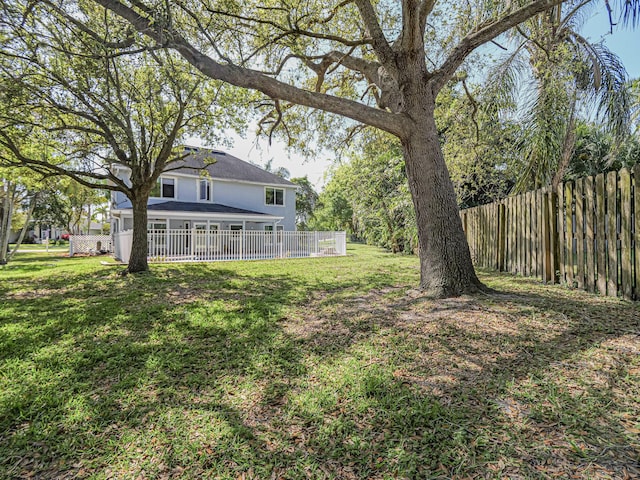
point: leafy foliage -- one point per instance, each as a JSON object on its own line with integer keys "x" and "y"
{"x": 96, "y": 95}
{"x": 565, "y": 75}
{"x": 598, "y": 151}
{"x": 306, "y": 201}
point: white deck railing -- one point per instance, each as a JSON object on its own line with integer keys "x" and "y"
{"x": 194, "y": 245}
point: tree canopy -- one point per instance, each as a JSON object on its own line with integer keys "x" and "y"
{"x": 102, "y": 102}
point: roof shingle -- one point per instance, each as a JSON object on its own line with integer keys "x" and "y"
{"x": 227, "y": 167}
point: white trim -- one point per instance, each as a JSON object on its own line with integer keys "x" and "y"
{"x": 202, "y": 215}
{"x": 248, "y": 182}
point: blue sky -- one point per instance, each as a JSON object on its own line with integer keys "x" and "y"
{"x": 625, "y": 42}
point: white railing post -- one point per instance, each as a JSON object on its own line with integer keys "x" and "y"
{"x": 193, "y": 242}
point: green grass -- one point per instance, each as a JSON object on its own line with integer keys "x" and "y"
{"x": 26, "y": 247}
{"x": 310, "y": 368}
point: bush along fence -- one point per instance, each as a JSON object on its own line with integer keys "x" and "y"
{"x": 585, "y": 234}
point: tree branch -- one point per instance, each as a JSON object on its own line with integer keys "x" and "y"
{"x": 483, "y": 34}
{"x": 378, "y": 40}
{"x": 396, "y": 124}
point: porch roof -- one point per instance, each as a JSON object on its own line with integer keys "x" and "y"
{"x": 173, "y": 206}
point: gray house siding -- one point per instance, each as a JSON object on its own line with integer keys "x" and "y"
{"x": 252, "y": 197}
{"x": 244, "y": 193}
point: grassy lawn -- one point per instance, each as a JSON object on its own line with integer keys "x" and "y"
{"x": 311, "y": 368}
{"x": 26, "y": 247}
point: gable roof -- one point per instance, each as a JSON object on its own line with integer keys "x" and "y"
{"x": 224, "y": 166}
{"x": 173, "y": 206}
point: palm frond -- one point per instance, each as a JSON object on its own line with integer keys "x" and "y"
{"x": 629, "y": 11}
{"x": 608, "y": 87}
{"x": 505, "y": 80}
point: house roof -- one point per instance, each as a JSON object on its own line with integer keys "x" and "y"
{"x": 227, "y": 167}
{"x": 199, "y": 207}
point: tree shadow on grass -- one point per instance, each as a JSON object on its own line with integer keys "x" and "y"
{"x": 209, "y": 374}
{"x": 102, "y": 372}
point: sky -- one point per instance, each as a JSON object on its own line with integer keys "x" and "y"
{"x": 624, "y": 42}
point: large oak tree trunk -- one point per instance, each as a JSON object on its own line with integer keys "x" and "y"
{"x": 445, "y": 262}
{"x": 139, "y": 247}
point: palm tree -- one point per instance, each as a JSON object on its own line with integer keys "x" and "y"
{"x": 567, "y": 77}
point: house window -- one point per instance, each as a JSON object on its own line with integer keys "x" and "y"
{"x": 268, "y": 228}
{"x": 165, "y": 188}
{"x": 274, "y": 196}
{"x": 235, "y": 228}
{"x": 205, "y": 191}
{"x": 157, "y": 225}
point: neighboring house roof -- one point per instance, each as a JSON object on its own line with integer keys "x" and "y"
{"x": 224, "y": 166}
{"x": 173, "y": 206}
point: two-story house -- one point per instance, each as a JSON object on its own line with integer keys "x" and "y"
{"x": 213, "y": 191}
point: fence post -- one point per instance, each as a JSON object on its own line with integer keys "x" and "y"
{"x": 636, "y": 227}
{"x": 193, "y": 242}
{"x": 553, "y": 233}
{"x": 547, "y": 236}
{"x": 626, "y": 267}
{"x": 502, "y": 236}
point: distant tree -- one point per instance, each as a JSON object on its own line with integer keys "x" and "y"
{"x": 333, "y": 210}
{"x": 597, "y": 151}
{"x": 282, "y": 172}
{"x": 478, "y": 143}
{"x": 19, "y": 191}
{"x": 68, "y": 204}
{"x": 306, "y": 201}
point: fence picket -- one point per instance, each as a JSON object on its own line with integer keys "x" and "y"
{"x": 570, "y": 256}
{"x": 601, "y": 252}
{"x": 625, "y": 233}
{"x": 553, "y": 231}
{"x": 562, "y": 239}
{"x": 502, "y": 237}
{"x": 590, "y": 276}
{"x": 579, "y": 219}
{"x": 512, "y": 235}
{"x": 612, "y": 238}
{"x": 636, "y": 226}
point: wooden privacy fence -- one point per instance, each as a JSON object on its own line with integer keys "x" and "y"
{"x": 585, "y": 234}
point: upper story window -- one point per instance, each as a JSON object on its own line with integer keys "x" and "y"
{"x": 274, "y": 196}
{"x": 205, "y": 190}
{"x": 165, "y": 188}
